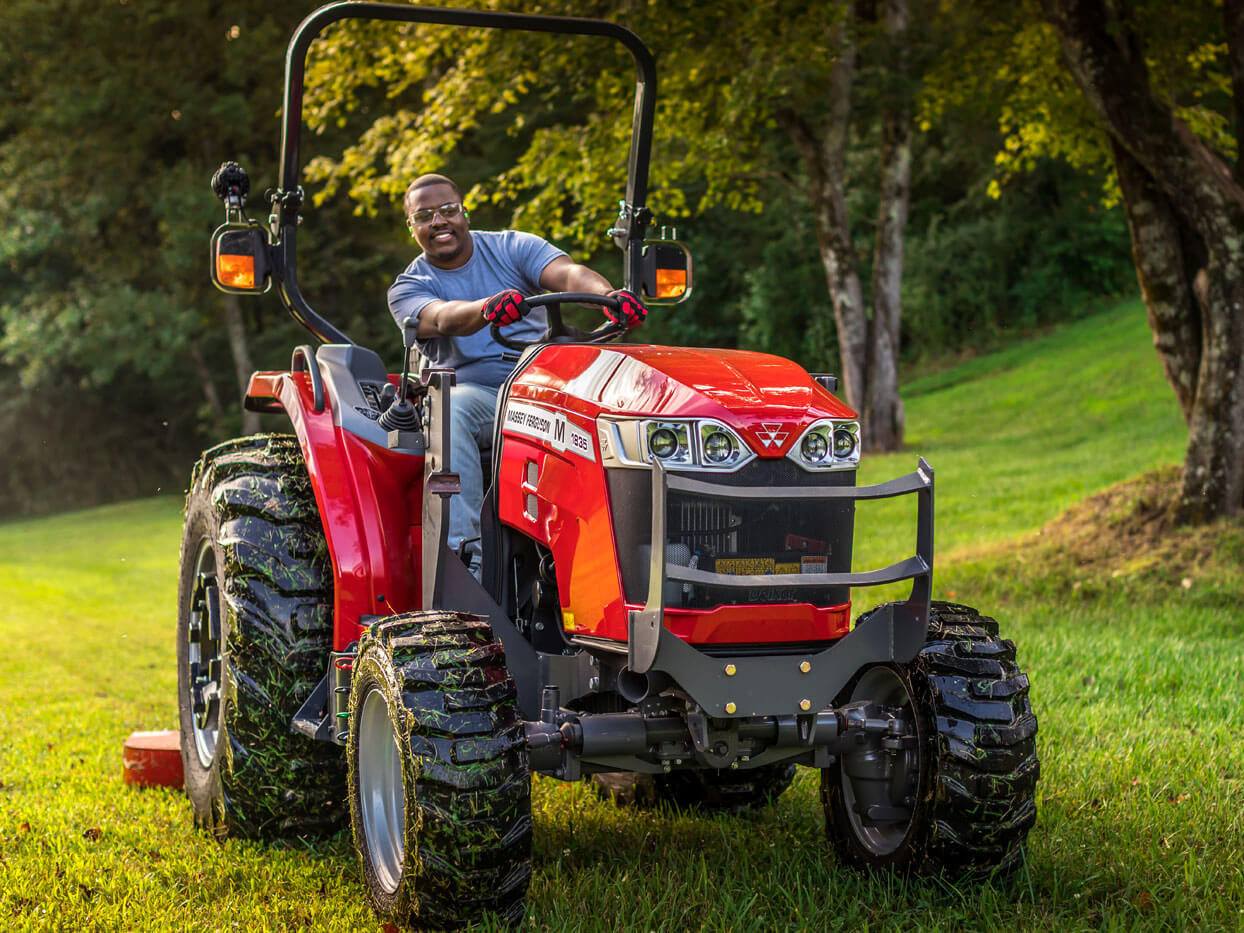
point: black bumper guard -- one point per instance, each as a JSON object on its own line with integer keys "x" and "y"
{"x": 771, "y": 685}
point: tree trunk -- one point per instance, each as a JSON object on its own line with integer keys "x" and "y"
{"x": 239, "y": 348}
{"x": 1167, "y": 258}
{"x": 1213, "y": 483}
{"x": 883, "y": 409}
{"x": 1103, "y": 56}
{"x": 204, "y": 372}
{"x": 824, "y": 157}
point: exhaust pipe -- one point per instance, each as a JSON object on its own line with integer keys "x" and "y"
{"x": 635, "y": 687}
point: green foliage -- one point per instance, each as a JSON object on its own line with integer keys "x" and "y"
{"x": 722, "y": 79}
{"x": 1004, "y": 60}
{"x": 978, "y": 270}
{"x": 105, "y": 156}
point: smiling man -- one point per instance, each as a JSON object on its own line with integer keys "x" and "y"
{"x": 463, "y": 281}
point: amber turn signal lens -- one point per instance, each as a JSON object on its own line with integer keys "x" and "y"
{"x": 235, "y": 271}
{"x": 671, "y": 282}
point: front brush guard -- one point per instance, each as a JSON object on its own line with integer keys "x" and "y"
{"x": 771, "y": 685}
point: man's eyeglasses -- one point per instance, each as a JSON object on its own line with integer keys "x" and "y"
{"x": 425, "y": 214}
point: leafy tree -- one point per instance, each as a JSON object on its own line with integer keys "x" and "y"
{"x": 1153, "y": 94}
{"x": 754, "y": 97}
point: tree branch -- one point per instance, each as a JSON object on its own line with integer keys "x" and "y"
{"x": 1194, "y": 178}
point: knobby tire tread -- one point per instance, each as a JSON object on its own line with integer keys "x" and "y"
{"x": 467, "y": 781}
{"x": 277, "y": 589}
{"x": 978, "y": 800}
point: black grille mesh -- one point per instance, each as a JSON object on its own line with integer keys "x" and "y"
{"x": 708, "y": 529}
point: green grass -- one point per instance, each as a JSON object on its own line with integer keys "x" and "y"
{"x": 1137, "y": 688}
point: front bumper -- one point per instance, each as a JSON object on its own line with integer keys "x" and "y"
{"x": 770, "y": 685}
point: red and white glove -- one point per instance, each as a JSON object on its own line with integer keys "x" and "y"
{"x": 631, "y": 311}
{"x": 506, "y": 307}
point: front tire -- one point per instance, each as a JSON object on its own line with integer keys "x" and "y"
{"x": 968, "y": 780}
{"x": 254, "y": 633}
{"x": 440, "y": 790}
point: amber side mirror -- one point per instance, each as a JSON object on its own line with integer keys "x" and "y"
{"x": 240, "y": 259}
{"x": 667, "y": 272}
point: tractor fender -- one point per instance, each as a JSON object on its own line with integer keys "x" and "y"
{"x": 369, "y": 499}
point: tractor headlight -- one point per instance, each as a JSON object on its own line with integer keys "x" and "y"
{"x": 669, "y": 441}
{"x": 720, "y": 447}
{"x": 828, "y": 445}
{"x": 813, "y": 448}
{"x": 693, "y": 444}
{"x": 846, "y": 441}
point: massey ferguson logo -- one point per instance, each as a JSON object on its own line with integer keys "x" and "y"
{"x": 771, "y": 435}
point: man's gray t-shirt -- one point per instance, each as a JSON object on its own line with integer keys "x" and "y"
{"x": 499, "y": 260}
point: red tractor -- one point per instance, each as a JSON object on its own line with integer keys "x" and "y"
{"x": 665, "y": 596}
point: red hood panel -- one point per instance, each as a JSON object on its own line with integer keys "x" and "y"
{"x": 769, "y": 398}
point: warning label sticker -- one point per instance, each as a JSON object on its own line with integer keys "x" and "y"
{"x": 550, "y": 426}
{"x": 744, "y": 566}
{"x": 761, "y": 566}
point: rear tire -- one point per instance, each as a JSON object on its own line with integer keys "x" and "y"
{"x": 440, "y": 791}
{"x": 974, "y": 765}
{"x": 709, "y": 791}
{"x": 254, "y": 633}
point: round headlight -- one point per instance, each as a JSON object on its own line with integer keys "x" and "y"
{"x": 663, "y": 443}
{"x": 844, "y": 443}
{"x": 814, "y": 448}
{"x": 718, "y": 447}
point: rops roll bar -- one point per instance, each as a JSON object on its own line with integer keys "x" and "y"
{"x": 287, "y": 199}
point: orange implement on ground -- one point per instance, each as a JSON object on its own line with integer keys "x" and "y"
{"x": 153, "y": 759}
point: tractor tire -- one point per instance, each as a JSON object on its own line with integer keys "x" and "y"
{"x": 708, "y": 791}
{"x": 254, "y": 635}
{"x": 440, "y": 789}
{"x": 973, "y": 766}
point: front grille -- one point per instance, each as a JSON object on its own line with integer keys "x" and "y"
{"x": 705, "y": 524}
{"x": 735, "y": 535}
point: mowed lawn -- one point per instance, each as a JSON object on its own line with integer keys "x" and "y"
{"x": 1138, "y": 692}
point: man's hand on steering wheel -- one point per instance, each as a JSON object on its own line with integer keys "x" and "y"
{"x": 506, "y": 307}
{"x": 631, "y": 311}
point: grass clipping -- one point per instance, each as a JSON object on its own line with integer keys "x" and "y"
{"x": 1125, "y": 538}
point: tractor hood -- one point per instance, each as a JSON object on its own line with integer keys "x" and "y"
{"x": 768, "y": 398}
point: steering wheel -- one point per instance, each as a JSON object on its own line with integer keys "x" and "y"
{"x": 557, "y": 328}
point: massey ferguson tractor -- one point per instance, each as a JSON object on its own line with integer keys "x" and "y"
{"x": 665, "y": 604}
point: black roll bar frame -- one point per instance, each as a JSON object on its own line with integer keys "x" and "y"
{"x": 287, "y": 199}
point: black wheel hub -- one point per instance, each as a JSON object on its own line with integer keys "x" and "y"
{"x": 880, "y": 779}
{"x": 204, "y": 657}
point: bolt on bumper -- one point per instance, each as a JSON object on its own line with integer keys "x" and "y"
{"x": 773, "y": 685}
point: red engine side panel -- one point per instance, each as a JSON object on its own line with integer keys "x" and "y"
{"x": 370, "y": 504}
{"x": 568, "y": 511}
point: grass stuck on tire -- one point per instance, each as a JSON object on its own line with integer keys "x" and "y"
{"x": 254, "y": 564}
{"x": 972, "y": 772}
{"x": 440, "y": 791}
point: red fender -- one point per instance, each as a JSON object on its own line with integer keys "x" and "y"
{"x": 370, "y": 502}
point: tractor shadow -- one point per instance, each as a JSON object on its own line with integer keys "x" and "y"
{"x": 765, "y": 869}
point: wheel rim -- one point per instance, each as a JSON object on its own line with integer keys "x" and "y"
{"x": 204, "y": 657}
{"x": 381, "y": 796}
{"x": 882, "y": 687}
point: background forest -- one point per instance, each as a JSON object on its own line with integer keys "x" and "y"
{"x": 118, "y": 361}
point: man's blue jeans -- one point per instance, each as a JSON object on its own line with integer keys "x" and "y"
{"x": 473, "y": 409}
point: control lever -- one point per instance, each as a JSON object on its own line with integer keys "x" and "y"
{"x": 401, "y": 416}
